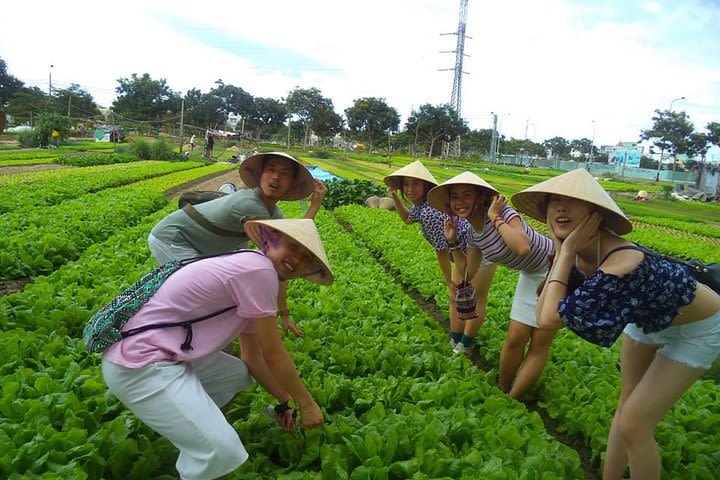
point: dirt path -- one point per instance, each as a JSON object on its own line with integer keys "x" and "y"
{"x": 211, "y": 182}
{"x": 31, "y": 168}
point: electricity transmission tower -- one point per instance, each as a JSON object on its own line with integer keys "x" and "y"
{"x": 456, "y": 97}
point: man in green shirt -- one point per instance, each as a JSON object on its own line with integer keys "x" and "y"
{"x": 217, "y": 226}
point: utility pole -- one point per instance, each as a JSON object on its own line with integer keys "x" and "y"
{"x": 242, "y": 130}
{"x": 417, "y": 125}
{"x": 49, "y": 85}
{"x": 456, "y": 96}
{"x": 182, "y": 117}
{"x": 494, "y": 142}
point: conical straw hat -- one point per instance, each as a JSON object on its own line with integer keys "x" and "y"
{"x": 251, "y": 169}
{"x": 577, "y": 184}
{"x": 414, "y": 170}
{"x": 439, "y": 197}
{"x": 302, "y": 230}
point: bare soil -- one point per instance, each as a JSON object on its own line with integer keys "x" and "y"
{"x": 211, "y": 182}
{"x": 31, "y": 168}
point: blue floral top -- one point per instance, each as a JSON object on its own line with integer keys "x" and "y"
{"x": 603, "y": 304}
{"x": 432, "y": 222}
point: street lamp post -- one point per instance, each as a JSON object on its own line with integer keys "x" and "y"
{"x": 50, "y": 83}
{"x": 662, "y": 150}
{"x": 592, "y": 146}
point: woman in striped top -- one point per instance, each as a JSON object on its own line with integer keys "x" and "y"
{"x": 500, "y": 236}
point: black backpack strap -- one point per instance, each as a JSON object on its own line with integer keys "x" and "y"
{"x": 624, "y": 247}
{"x": 190, "y": 260}
{"x": 186, "y": 324}
{"x": 207, "y": 225}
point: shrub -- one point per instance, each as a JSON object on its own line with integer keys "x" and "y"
{"x": 161, "y": 150}
{"x": 48, "y": 122}
{"x": 323, "y": 153}
{"x": 666, "y": 191}
{"x": 141, "y": 148}
{"x": 28, "y": 139}
{"x": 346, "y": 192}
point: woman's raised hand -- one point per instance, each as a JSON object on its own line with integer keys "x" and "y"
{"x": 499, "y": 202}
{"x": 450, "y": 229}
{"x": 585, "y": 232}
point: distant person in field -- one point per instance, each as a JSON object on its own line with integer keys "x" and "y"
{"x": 217, "y": 226}
{"x": 413, "y": 182}
{"x": 209, "y": 145}
{"x": 192, "y": 142}
{"x": 642, "y": 196}
{"x": 499, "y": 235}
{"x": 177, "y": 383}
{"x": 601, "y": 287}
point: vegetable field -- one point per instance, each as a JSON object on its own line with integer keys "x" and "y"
{"x": 397, "y": 403}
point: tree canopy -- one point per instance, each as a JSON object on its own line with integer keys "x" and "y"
{"x": 435, "y": 125}
{"x": 9, "y": 84}
{"x": 371, "y": 118}
{"x": 142, "y": 98}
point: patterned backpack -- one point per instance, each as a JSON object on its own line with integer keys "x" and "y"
{"x": 105, "y": 327}
{"x": 465, "y": 301}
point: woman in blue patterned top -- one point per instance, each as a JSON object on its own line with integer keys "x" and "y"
{"x": 414, "y": 182}
{"x": 601, "y": 286}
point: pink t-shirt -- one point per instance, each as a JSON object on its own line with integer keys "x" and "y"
{"x": 247, "y": 280}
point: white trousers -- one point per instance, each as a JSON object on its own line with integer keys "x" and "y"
{"x": 181, "y": 401}
{"x": 164, "y": 252}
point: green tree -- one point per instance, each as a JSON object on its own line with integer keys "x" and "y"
{"x": 234, "y": 99}
{"x": 371, "y": 118}
{"x": 582, "y": 146}
{"x": 477, "y": 141}
{"x": 75, "y": 101}
{"x": 670, "y": 133}
{"x": 558, "y": 146}
{"x": 325, "y": 122}
{"x": 304, "y": 103}
{"x": 713, "y": 133}
{"x": 266, "y": 115}
{"x": 9, "y": 84}
{"x": 142, "y": 98}
{"x": 204, "y": 110}
{"x": 435, "y": 125}
{"x": 26, "y": 104}
{"x": 47, "y": 122}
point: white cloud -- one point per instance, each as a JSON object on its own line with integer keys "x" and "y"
{"x": 552, "y": 65}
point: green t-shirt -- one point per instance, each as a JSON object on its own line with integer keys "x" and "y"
{"x": 228, "y": 212}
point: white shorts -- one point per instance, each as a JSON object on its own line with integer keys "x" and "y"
{"x": 181, "y": 401}
{"x": 164, "y": 252}
{"x": 525, "y": 299}
{"x": 695, "y": 344}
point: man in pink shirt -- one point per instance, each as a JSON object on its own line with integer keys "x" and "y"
{"x": 176, "y": 379}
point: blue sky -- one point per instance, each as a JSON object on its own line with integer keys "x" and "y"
{"x": 546, "y": 67}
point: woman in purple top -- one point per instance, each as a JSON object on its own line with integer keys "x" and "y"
{"x": 601, "y": 286}
{"x": 500, "y": 236}
{"x": 177, "y": 380}
{"x": 414, "y": 182}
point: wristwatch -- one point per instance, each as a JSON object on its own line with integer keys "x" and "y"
{"x": 283, "y": 407}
